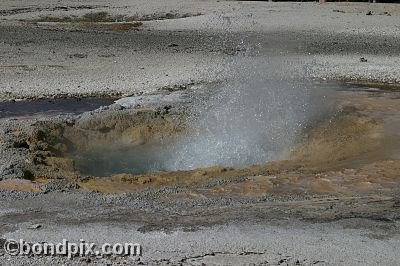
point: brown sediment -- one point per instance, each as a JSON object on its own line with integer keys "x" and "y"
{"x": 20, "y": 185}
{"x": 375, "y": 85}
{"x": 112, "y": 26}
{"x": 52, "y": 143}
{"x": 339, "y": 140}
{"x": 101, "y": 26}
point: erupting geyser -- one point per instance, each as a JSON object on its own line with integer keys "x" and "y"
{"x": 247, "y": 123}
{"x": 242, "y": 123}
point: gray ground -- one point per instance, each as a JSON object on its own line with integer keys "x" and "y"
{"x": 78, "y": 62}
{"x": 305, "y": 40}
{"x": 229, "y": 237}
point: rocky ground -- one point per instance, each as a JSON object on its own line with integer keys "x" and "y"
{"x": 332, "y": 201}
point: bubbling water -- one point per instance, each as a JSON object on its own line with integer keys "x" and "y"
{"x": 247, "y": 123}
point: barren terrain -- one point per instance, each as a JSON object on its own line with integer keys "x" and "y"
{"x": 327, "y": 196}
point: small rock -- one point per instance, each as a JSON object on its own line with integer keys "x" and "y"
{"x": 87, "y": 260}
{"x": 369, "y": 13}
{"x": 78, "y": 56}
{"x": 363, "y": 60}
{"x": 35, "y": 226}
{"x": 173, "y": 45}
{"x": 338, "y": 11}
{"x": 115, "y": 107}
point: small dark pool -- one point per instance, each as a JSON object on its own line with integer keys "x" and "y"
{"x": 20, "y": 109}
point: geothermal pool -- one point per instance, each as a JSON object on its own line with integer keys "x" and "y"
{"x": 240, "y": 124}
